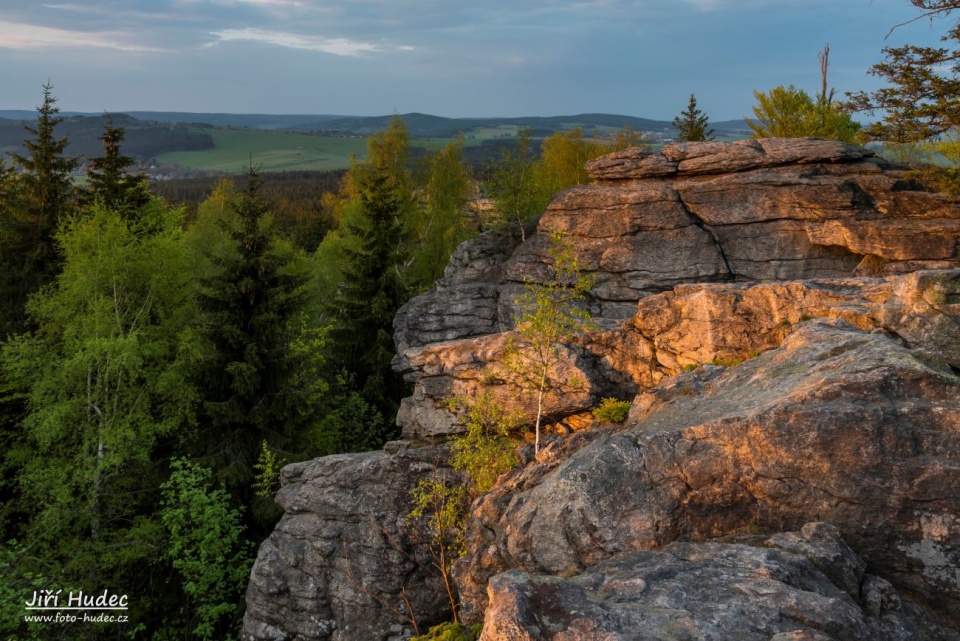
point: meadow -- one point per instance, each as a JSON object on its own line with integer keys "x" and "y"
{"x": 275, "y": 151}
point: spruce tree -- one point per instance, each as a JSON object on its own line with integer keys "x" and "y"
{"x": 372, "y": 290}
{"x": 248, "y": 376}
{"x": 692, "y": 125}
{"x": 38, "y": 198}
{"x": 107, "y": 177}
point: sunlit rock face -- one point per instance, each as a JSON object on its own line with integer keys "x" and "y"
{"x": 774, "y": 209}
{"x": 786, "y": 317}
{"x": 669, "y": 222}
{"x": 837, "y": 424}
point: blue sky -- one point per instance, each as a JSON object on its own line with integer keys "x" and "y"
{"x": 446, "y": 57}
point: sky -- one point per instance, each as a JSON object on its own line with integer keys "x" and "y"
{"x": 455, "y": 58}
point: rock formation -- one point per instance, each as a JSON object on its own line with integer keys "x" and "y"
{"x": 795, "y": 586}
{"x": 344, "y": 563}
{"x": 771, "y": 306}
{"x": 837, "y": 424}
{"x": 780, "y": 209}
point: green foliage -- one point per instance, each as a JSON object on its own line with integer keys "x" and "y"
{"x": 267, "y": 468}
{"x": 206, "y": 547}
{"x": 256, "y": 375}
{"x": 551, "y": 315}
{"x": 692, "y": 125}
{"x": 349, "y": 423}
{"x": 485, "y": 451}
{"x": 515, "y": 184}
{"x": 729, "y": 361}
{"x": 522, "y": 185}
{"x": 21, "y": 578}
{"x": 440, "y": 502}
{"x": 107, "y": 177}
{"x": 612, "y": 410}
{"x": 451, "y": 631}
{"x": 922, "y": 98}
{"x": 372, "y": 289}
{"x": 440, "y": 508}
{"x": 440, "y": 222}
{"x": 37, "y": 199}
{"x": 788, "y": 112}
{"x": 104, "y": 381}
{"x": 628, "y": 137}
{"x": 944, "y": 177}
{"x": 563, "y": 157}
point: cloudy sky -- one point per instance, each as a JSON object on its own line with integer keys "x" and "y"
{"x": 446, "y": 57}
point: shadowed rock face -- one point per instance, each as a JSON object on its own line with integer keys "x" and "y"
{"x": 343, "y": 559}
{"x": 836, "y": 424}
{"x": 793, "y": 586}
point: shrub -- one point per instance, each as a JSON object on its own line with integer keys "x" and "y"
{"x": 485, "y": 451}
{"x": 611, "y": 410}
{"x": 451, "y": 632}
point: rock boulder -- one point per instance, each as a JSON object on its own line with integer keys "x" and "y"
{"x": 344, "y": 564}
{"x": 836, "y": 424}
{"x": 795, "y": 586}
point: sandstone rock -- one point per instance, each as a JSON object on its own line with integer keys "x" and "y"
{"x": 631, "y": 163}
{"x": 790, "y": 588}
{"x": 465, "y": 301}
{"x": 342, "y": 560}
{"x": 689, "y": 326}
{"x": 853, "y": 418}
{"x": 837, "y": 424}
{"x": 469, "y": 368}
{"x": 719, "y": 157}
{"x": 754, "y": 210}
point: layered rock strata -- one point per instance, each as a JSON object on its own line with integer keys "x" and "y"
{"x": 781, "y": 209}
{"x": 687, "y": 327}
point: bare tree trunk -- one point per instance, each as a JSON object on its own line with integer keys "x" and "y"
{"x": 543, "y": 383}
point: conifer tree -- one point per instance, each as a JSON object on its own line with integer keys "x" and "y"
{"x": 107, "y": 175}
{"x": 692, "y": 125}
{"x": 372, "y": 290}
{"x": 39, "y": 197}
{"x": 248, "y": 377}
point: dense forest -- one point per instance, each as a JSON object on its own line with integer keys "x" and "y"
{"x": 142, "y": 140}
{"x": 159, "y": 365}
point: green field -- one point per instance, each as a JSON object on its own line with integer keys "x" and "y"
{"x": 275, "y": 151}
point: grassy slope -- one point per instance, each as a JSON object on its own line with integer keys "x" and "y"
{"x": 276, "y": 151}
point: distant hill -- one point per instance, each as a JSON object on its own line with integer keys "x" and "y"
{"x": 731, "y": 125}
{"x": 428, "y": 126}
{"x": 421, "y": 125}
{"x": 143, "y": 139}
{"x": 251, "y": 121}
{"x": 215, "y": 142}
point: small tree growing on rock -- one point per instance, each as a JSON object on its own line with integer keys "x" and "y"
{"x": 692, "y": 124}
{"x": 551, "y": 316}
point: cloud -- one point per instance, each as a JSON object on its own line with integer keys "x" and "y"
{"x": 335, "y": 46}
{"x": 275, "y": 3}
{"x": 29, "y": 37}
{"x": 79, "y": 8}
